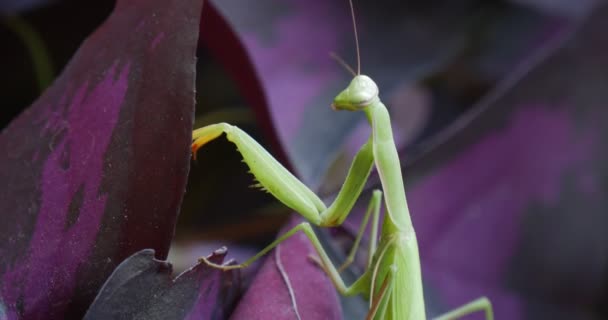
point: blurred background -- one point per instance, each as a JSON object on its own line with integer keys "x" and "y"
{"x": 498, "y": 109}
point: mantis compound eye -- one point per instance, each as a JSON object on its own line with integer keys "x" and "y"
{"x": 360, "y": 93}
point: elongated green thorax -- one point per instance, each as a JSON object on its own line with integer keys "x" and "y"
{"x": 389, "y": 166}
{"x": 362, "y": 95}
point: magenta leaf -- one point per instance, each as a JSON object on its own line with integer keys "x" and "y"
{"x": 312, "y": 295}
{"x": 96, "y": 168}
{"x": 141, "y": 287}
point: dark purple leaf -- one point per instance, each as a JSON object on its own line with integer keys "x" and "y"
{"x": 141, "y": 287}
{"x": 268, "y": 297}
{"x": 95, "y": 169}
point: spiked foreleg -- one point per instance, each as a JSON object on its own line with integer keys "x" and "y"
{"x": 270, "y": 174}
{"x": 283, "y": 185}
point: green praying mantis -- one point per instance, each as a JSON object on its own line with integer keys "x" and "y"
{"x": 392, "y": 281}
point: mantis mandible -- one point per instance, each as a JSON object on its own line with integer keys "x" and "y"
{"x": 392, "y": 281}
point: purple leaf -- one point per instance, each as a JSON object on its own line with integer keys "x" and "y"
{"x": 141, "y": 287}
{"x": 312, "y": 296}
{"x": 96, "y": 168}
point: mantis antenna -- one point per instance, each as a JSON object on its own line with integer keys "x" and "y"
{"x": 340, "y": 60}
{"x": 352, "y": 13}
{"x": 342, "y": 63}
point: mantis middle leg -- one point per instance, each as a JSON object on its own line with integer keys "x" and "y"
{"x": 359, "y": 286}
{"x": 373, "y": 209}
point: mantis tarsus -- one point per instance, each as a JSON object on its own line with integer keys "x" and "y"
{"x": 392, "y": 281}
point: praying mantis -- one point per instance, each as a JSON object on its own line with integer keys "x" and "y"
{"x": 392, "y": 281}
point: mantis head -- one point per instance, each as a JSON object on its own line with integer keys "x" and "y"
{"x": 360, "y": 93}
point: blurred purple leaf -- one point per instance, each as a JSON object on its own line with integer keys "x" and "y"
{"x": 141, "y": 287}
{"x": 96, "y": 168}
{"x": 511, "y": 202}
{"x": 268, "y": 297}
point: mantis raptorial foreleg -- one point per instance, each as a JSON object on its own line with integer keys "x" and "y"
{"x": 279, "y": 182}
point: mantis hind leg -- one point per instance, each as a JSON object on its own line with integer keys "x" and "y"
{"x": 481, "y": 304}
{"x": 278, "y": 181}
